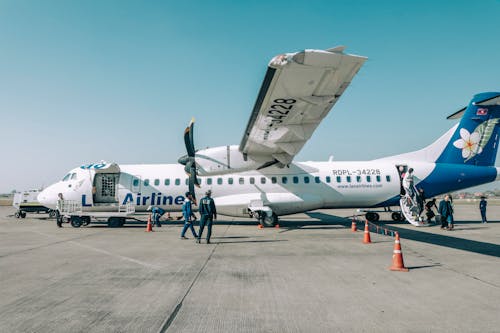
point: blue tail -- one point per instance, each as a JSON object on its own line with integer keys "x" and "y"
{"x": 475, "y": 140}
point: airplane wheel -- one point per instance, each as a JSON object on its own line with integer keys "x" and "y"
{"x": 85, "y": 220}
{"x": 377, "y": 217}
{"x": 76, "y": 221}
{"x": 268, "y": 221}
{"x": 396, "y": 216}
{"x": 369, "y": 216}
{"x": 22, "y": 214}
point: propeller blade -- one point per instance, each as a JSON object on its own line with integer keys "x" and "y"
{"x": 188, "y": 139}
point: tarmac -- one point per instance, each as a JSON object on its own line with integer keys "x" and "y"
{"x": 313, "y": 274}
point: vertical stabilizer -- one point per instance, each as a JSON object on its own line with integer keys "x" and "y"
{"x": 475, "y": 140}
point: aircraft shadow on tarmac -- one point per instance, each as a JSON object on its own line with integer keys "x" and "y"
{"x": 421, "y": 236}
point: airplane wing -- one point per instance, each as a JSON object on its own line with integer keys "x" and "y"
{"x": 298, "y": 91}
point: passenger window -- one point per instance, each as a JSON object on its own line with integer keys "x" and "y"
{"x": 388, "y": 178}
{"x": 209, "y": 181}
{"x": 306, "y": 180}
{"x": 66, "y": 177}
{"x": 284, "y": 180}
{"x": 348, "y": 178}
{"x": 230, "y": 181}
{"x": 73, "y": 176}
{"x": 339, "y": 179}
{"x": 177, "y": 181}
{"x": 368, "y": 179}
{"x": 328, "y": 179}
{"x": 157, "y": 182}
{"x": 199, "y": 181}
{"x": 274, "y": 180}
{"x": 295, "y": 179}
{"x": 146, "y": 182}
{"x": 241, "y": 180}
{"x": 358, "y": 179}
{"x": 317, "y": 180}
{"x": 167, "y": 181}
{"x": 263, "y": 180}
{"x": 219, "y": 181}
{"x": 135, "y": 182}
{"x": 186, "y": 181}
{"x": 378, "y": 179}
{"x": 252, "y": 180}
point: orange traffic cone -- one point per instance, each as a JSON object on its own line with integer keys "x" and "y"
{"x": 397, "y": 257}
{"x": 149, "y": 227}
{"x": 354, "y": 227}
{"x": 367, "y": 238}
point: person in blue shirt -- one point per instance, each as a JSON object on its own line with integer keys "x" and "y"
{"x": 482, "y": 207}
{"x": 157, "y": 212}
{"x": 208, "y": 214}
{"x": 189, "y": 217}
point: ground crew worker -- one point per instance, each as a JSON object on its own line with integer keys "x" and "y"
{"x": 189, "y": 217}
{"x": 482, "y": 207}
{"x": 59, "y": 206}
{"x": 208, "y": 214}
{"x": 157, "y": 212}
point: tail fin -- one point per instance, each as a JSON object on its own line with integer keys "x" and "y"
{"x": 475, "y": 140}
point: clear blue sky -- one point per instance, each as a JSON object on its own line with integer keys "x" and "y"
{"x": 84, "y": 81}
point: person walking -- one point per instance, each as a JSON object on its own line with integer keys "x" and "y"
{"x": 208, "y": 213}
{"x": 446, "y": 212}
{"x": 409, "y": 183}
{"x": 189, "y": 217}
{"x": 482, "y": 207}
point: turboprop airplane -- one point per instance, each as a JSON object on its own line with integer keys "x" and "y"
{"x": 259, "y": 178}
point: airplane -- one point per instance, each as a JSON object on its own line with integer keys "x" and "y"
{"x": 258, "y": 177}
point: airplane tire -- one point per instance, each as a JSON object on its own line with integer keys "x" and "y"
{"x": 396, "y": 216}
{"x": 377, "y": 217}
{"x": 22, "y": 214}
{"x": 370, "y": 216}
{"x": 76, "y": 221}
{"x": 269, "y": 221}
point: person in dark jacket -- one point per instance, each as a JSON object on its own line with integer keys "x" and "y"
{"x": 189, "y": 217}
{"x": 208, "y": 213}
{"x": 482, "y": 207}
{"x": 428, "y": 209}
{"x": 446, "y": 212}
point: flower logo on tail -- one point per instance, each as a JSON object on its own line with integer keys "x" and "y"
{"x": 472, "y": 144}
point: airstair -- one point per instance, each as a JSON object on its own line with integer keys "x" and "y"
{"x": 411, "y": 210}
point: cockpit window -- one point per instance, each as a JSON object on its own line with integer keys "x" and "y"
{"x": 73, "y": 176}
{"x": 66, "y": 177}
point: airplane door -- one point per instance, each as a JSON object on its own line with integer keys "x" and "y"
{"x": 106, "y": 185}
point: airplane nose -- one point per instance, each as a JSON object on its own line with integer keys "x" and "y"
{"x": 46, "y": 198}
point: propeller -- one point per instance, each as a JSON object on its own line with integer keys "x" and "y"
{"x": 189, "y": 160}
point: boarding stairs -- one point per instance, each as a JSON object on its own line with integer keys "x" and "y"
{"x": 411, "y": 210}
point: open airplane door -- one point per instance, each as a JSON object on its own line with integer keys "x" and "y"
{"x": 105, "y": 184}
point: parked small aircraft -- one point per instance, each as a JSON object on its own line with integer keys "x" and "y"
{"x": 259, "y": 178}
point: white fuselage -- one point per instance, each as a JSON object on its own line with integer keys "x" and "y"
{"x": 301, "y": 187}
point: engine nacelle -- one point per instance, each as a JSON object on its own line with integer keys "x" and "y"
{"x": 223, "y": 160}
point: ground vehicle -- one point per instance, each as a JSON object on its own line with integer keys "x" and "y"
{"x": 27, "y": 202}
